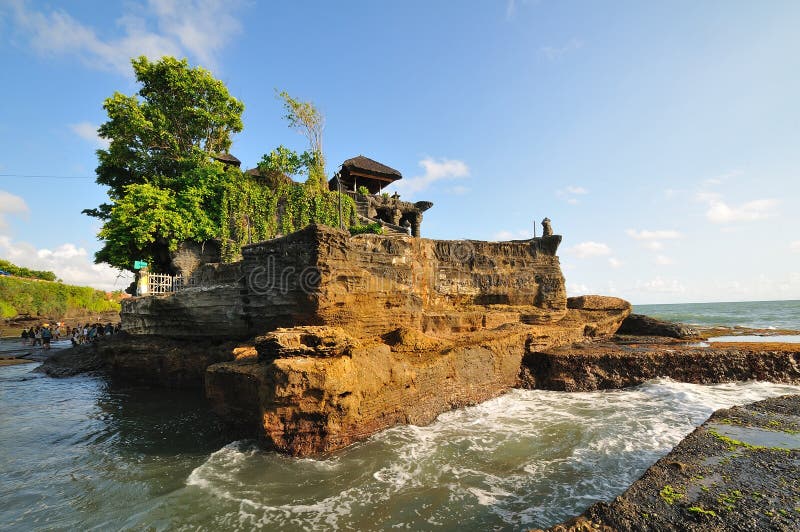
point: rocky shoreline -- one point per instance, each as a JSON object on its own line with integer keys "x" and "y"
{"x": 740, "y": 470}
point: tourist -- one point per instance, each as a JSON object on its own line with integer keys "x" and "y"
{"x": 47, "y": 335}
{"x": 37, "y": 337}
{"x": 24, "y": 336}
{"x": 109, "y": 329}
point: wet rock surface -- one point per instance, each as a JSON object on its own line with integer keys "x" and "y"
{"x": 312, "y": 390}
{"x": 711, "y": 481}
{"x": 150, "y": 360}
{"x": 641, "y": 325}
{"x": 629, "y": 361}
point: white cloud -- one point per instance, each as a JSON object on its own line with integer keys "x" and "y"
{"x": 661, "y": 286}
{"x": 199, "y": 28}
{"x": 795, "y": 246}
{"x": 554, "y": 53}
{"x": 664, "y": 260}
{"x": 664, "y": 234}
{"x": 720, "y": 212}
{"x": 88, "y": 132}
{"x": 520, "y": 234}
{"x": 435, "y": 170}
{"x": 652, "y": 239}
{"x": 570, "y": 192}
{"x": 460, "y": 190}
{"x": 585, "y": 250}
{"x": 720, "y": 179}
{"x": 69, "y": 262}
{"x": 615, "y": 262}
{"x": 11, "y": 204}
{"x": 577, "y": 289}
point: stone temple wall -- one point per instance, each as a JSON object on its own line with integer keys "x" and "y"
{"x": 367, "y": 284}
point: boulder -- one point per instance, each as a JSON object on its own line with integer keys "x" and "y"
{"x": 641, "y": 325}
{"x": 597, "y": 303}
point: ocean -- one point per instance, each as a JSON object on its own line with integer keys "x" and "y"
{"x": 84, "y": 453}
{"x": 753, "y": 314}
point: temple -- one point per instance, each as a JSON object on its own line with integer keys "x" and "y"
{"x": 362, "y": 174}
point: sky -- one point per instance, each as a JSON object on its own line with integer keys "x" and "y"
{"x": 661, "y": 138}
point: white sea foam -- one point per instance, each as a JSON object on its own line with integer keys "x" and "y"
{"x": 526, "y": 458}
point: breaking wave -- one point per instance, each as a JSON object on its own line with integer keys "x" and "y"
{"x": 528, "y": 458}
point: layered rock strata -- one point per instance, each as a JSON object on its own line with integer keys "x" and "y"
{"x": 316, "y": 389}
{"x": 366, "y": 284}
{"x": 631, "y": 361}
{"x": 737, "y": 471}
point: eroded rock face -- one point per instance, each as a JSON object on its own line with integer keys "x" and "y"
{"x": 316, "y": 389}
{"x": 641, "y": 325}
{"x": 605, "y": 365}
{"x": 367, "y": 285}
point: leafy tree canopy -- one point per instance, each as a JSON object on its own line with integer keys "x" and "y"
{"x": 163, "y": 185}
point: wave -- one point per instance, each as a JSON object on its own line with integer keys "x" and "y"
{"x": 528, "y": 458}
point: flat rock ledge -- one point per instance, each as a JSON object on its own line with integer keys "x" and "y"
{"x": 630, "y": 361}
{"x": 740, "y": 470}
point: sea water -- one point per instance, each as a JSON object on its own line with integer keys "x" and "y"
{"x": 84, "y": 453}
{"x": 753, "y": 314}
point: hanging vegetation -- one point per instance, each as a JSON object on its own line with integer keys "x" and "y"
{"x": 252, "y": 212}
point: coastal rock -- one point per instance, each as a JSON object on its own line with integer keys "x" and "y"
{"x": 593, "y": 302}
{"x": 641, "y": 325}
{"x": 737, "y": 471}
{"x": 316, "y": 389}
{"x": 151, "y": 360}
{"x": 307, "y": 341}
{"x": 367, "y": 285}
{"x": 608, "y": 365}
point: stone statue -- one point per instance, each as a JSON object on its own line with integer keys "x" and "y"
{"x": 547, "y": 229}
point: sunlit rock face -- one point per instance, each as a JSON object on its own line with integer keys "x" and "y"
{"x": 366, "y": 284}
{"x": 355, "y": 334}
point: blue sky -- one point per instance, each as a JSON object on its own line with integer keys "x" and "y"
{"x": 661, "y": 138}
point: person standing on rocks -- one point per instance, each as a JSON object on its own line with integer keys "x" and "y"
{"x": 24, "y": 336}
{"x": 47, "y": 335}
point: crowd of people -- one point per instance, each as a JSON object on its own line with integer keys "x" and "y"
{"x": 43, "y": 335}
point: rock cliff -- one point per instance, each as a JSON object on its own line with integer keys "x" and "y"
{"x": 366, "y": 284}
{"x": 316, "y": 389}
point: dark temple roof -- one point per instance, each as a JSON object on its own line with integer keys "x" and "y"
{"x": 365, "y": 164}
{"x": 227, "y": 158}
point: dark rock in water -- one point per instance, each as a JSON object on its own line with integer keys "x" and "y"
{"x": 712, "y": 481}
{"x": 607, "y": 365}
{"x": 148, "y": 360}
{"x": 641, "y": 325}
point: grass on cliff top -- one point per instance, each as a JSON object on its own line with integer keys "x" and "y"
{"x": 20, "y": 297}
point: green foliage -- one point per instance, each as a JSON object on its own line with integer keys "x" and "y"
{"x": 699, "y": 510}
{"x": 53, "y": 300}
{"x": 363, "y": 190}
{"x": 670, "y": 495}
{"x": 306, "y": 118}
{"x": 286, "y": 162}
{"x": 252, "y": 212}
{"x": 147, "y": 219}
{"x": 19, "y": 271}
{"x": 372, "y": 228}
{"x": 162, "y": 183}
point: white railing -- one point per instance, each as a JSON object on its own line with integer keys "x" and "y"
{"x": 151, "y": 284}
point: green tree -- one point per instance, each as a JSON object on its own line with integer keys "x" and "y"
{"x": 161, "y": 181}
{"x": 306, "y": 118}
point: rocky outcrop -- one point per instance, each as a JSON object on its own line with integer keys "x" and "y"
{"x": 610, "y": 365}
{"x": 641, "y": 325}
{"x": 148, "y": 360}
{"x": 367, "y": 285}
{"x": 317, "y": 389}
{"x": 212, "y": 309}
{"x": 737, "y": 471}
